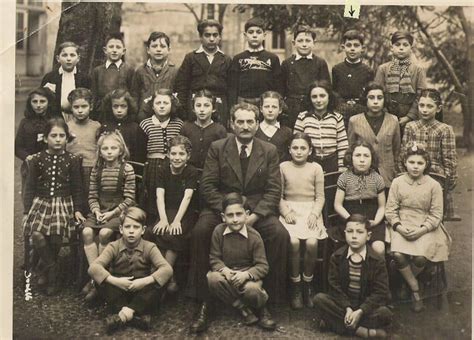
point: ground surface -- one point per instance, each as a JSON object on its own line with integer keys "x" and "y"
{"x": 66, "y": 316}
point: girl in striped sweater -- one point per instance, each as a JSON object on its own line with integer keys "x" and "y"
{"x": 155, "y": 132}
{"x": 111, "y": 191}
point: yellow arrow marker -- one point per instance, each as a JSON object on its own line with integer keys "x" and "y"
{"x": 352, "y": 9}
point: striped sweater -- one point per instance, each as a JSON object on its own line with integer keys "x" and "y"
{"x": 355, "y": 268}
{"x": 328, "y": 134}
{"x": 108, "y": 185}
{"x": 157, "y": 137}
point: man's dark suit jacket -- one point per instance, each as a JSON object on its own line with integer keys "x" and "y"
{"x": 222, "y": 174}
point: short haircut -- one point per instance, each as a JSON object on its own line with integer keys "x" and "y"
{"x": 67, "y": 44}
{"x": 106, "y": 108}
{"x": 359, "y": 218}
{"x": 59, "y": 122}
{"x": 209, "y": 23}
{"x": 44, "y": 92}
{"x": 326, "y": 85}
{"x": 244, "y": 106}
{"x": 304, "y": 29}
{"x": 233, "y": 198}
{"x": 180, "y": 140}
{"x": 360, "y": 142}
{"x": 135, "y": 214}
{"x": 80, "y": 93}
{"x": 156, "y": 36}
{"x": 414, "y": 148}
{"x": 255, "y": 22}
{"x": 398, "y": 35}
{"x": 353, "y": 35}
{"x": 370, "y": 87}
{"x": 114, "y": 36}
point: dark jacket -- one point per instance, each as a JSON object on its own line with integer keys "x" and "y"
{"x": 374, "y": 280}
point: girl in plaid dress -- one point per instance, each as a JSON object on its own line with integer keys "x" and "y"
{"x": 52, "y": 199}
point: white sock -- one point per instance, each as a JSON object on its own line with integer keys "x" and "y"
{"x": 295, "y": 279}
{"x": 308, "y": 278}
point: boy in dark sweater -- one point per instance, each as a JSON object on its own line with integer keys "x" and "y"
{"x": 114, "y": 74}
{"x": 358, "y": 286}
{"x": 238, "y": 264}
{"x": 300, "y": 70}
{"x": 350, "y": 77}
{"x": 205, "y": 68}
{"x": 255, "y": 70}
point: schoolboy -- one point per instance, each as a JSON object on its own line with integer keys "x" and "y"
{"x": 358, "y": 286}
{"x": 130, "y": 273}
{"x": 206, "y": 68}
{"x": 65, "y": 78}
{"x": 300, "y": 70}
{"x": 158, "y": 72}
{"x": 351, "y": 77}
{"x": 114, "y": 74}
{"x": 238, "y": 264}
{"x": 254, "y": 70}
{"x": 402, "y": 78}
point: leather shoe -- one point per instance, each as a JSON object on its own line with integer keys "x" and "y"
{"x": 248, "y": 316}
{"x": 266, "y": 322}
{"x": 92, "y": 295}
{"x": 142, "y": 322}
{"x": 200, "y": 322}
{"x": 113, "y": 323}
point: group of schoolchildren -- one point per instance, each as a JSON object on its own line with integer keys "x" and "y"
{"x": 168, "y": 117}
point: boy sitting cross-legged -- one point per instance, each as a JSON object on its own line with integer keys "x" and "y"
{"x": 238, "y": 264}
{"x": 358, "y": 286}
{"x": 124, "y": 273}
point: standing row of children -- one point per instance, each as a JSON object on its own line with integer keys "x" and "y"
{"x": 54, "y": 180}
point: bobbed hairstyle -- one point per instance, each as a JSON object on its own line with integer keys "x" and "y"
{"x": 204, "y": 93}
{"x": 116, "y": 136}
{"x": 209, "y": 23}
{"x": 304, "y": 29}
{"x": 414, "y": 148}
{"x": 359, "y": 218}
{"x": 324, "y": 84}
{"x": 158, "y": 35}
{"x": 244, "y": 106}
{"x": 44, "y": 92}
{"x": 106, "y": 109}
{"x": 180, "y": 140}
{"x": 350, "y": 151}
{"x": 370, "y": 87}
{"x": 59, "y": 122}
{"x": 134, "y": 213}
{"x": 276, "y": 95}
{"x": 234, "y": 198}
{"x": 175, "y": 104}
{"x": 399, "y": 35}
{"x": 80, "y": 93}
{"x": 353, "y": 35}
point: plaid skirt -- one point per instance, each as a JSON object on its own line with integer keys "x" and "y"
{"x": 50, "y": 216}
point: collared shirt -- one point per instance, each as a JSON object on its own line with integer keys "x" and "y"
{"x": 353, "y": 62}
{"x": 68, "y": 84}
{"x": 269, "y": 129}
{"x": 299, "y": 56}
{"x": 248, "y": 151}
{"x": 261, "y": 48}
{"x": 117, "y": 63}
{"x": 243, "y": 231}
{"x": 210, "y": 56}
{"x": 362, "y": 253}
{"x": 159, "y": 123}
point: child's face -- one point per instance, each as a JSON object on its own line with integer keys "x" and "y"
{"x": 56, "y": 139}
{"x": 210, "y": 38}
{"x": 158, "y": 50}
{"x": 300, "y": 151}
{"x": 162, "y": 106}
{"x": 131, "y": 231}
{"x": 39, "y": 104}
{"x": 255, "y": 36}
{"x": 428, "y": 109}
{"x": 353, "y": 49}
{"x": 203, "y": 109}
{"x": 304, "y": 43}
{"x": 361, "y": 159}
{"x": 114, "y": 50}
{"x": 110, "y": 150}
{"x": 401, "y": 49}
{"x": 235, "y": 216}
{"x": 319, "y": 99}
{"x": 120, "y": 108}
{"x": 178, "y": 157}
{"x": 81, "y": 109}
{"x": 68, "y": 58}
{"x": 356, "y": 235}
{"x": 415, "y": 165}
{"x": 375, "y": 101}
{"x": 270, "y": 109}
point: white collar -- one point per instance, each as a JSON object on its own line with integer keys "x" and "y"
{"x": 299, "y": 56}
{"x": 264, "y": 125}
{"x": 157, "y": 122}
{"x": 261, "y": 48}
{"x": 148, "y": 63}
{"x": 61, "y": 71}
{"x": 362, "y": 253}
{"x": 353, "y": 62}
{"x": 202, "y": 50}
{"x": 117, "y": 63}
{"x": 242, "y": 231}
{"x": 249, "y": 146}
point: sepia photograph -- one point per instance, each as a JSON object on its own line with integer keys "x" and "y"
{"x": 240, "y": 170}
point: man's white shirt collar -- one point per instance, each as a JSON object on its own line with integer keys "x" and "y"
{"x": 299, "y": 56}
{"x": 117, "y": 63}
{"x": 202, "y": 50}
{"x": 242, "y": 231}
{"x": 362, "y": 253}
{"x": 61, "y": 70}
{"x": 249, "y": 147}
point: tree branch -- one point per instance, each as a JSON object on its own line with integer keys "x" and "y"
{"x": 193, "y": 12}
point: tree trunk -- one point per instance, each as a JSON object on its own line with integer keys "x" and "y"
{"x": 87, "y": 24}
